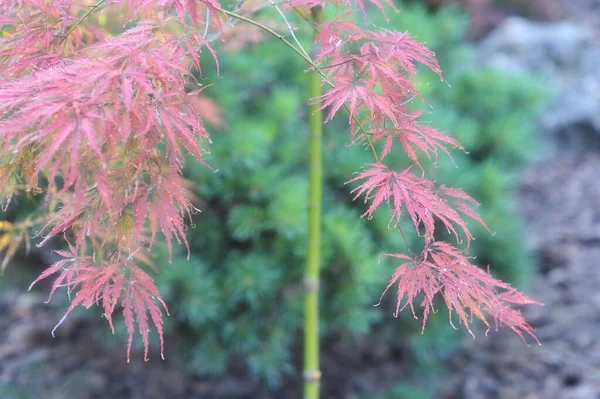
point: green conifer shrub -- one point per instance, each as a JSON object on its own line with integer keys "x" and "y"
{"x": 239, "y": 296}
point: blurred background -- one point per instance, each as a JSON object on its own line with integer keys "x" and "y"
{"x": 524, "y": 101}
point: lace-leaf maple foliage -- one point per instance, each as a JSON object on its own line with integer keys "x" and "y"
{"x": 102, "y": 121}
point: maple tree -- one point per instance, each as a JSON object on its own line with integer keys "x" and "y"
{"x": 101, "y": 122}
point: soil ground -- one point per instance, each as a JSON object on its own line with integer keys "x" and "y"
{"x": 560, "y": 200}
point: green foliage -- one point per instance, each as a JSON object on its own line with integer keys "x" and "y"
{"x": 240, "y": 296}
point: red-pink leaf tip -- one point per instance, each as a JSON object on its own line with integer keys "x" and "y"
{"x": 108, "y": 284}
{"x": 418, "y": 197}
{"x": 466, "y": 289}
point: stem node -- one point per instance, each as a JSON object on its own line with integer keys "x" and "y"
{"x": 312, "y": 375}
{"x": 311, "y": 284}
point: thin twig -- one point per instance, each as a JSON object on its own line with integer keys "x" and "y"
{"x": 281, "y": 38}
{"x": 289, "y": 27}
{"x": 83, "y": 18}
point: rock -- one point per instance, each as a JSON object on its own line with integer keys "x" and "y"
{"x": 26, "y": 302}
{"x": 582, "y": 392}
{"x": 567, "y": 56}
{"x": 29, "y": 335}
{"x": 560, "y": 50}
{"x": 551, "y": 387}
{"x": 96, "y": 381}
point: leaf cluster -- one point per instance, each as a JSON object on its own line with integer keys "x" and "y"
{"x": 254, "y": 208}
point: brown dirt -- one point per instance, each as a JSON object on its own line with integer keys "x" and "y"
{"x": 560, "y": 199}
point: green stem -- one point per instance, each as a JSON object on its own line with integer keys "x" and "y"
{"x": 312, "y": 373}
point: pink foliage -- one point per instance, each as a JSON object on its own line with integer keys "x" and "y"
{"x": 36, "y": 44}
{"x": 420, "y": 198}
{"x": 107, "y": 121}
{"x": 466, "y": 289}
{"x": 372, "y": 73}
{"x": 90, "y": 116}
{"x": 109, "y": 283}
